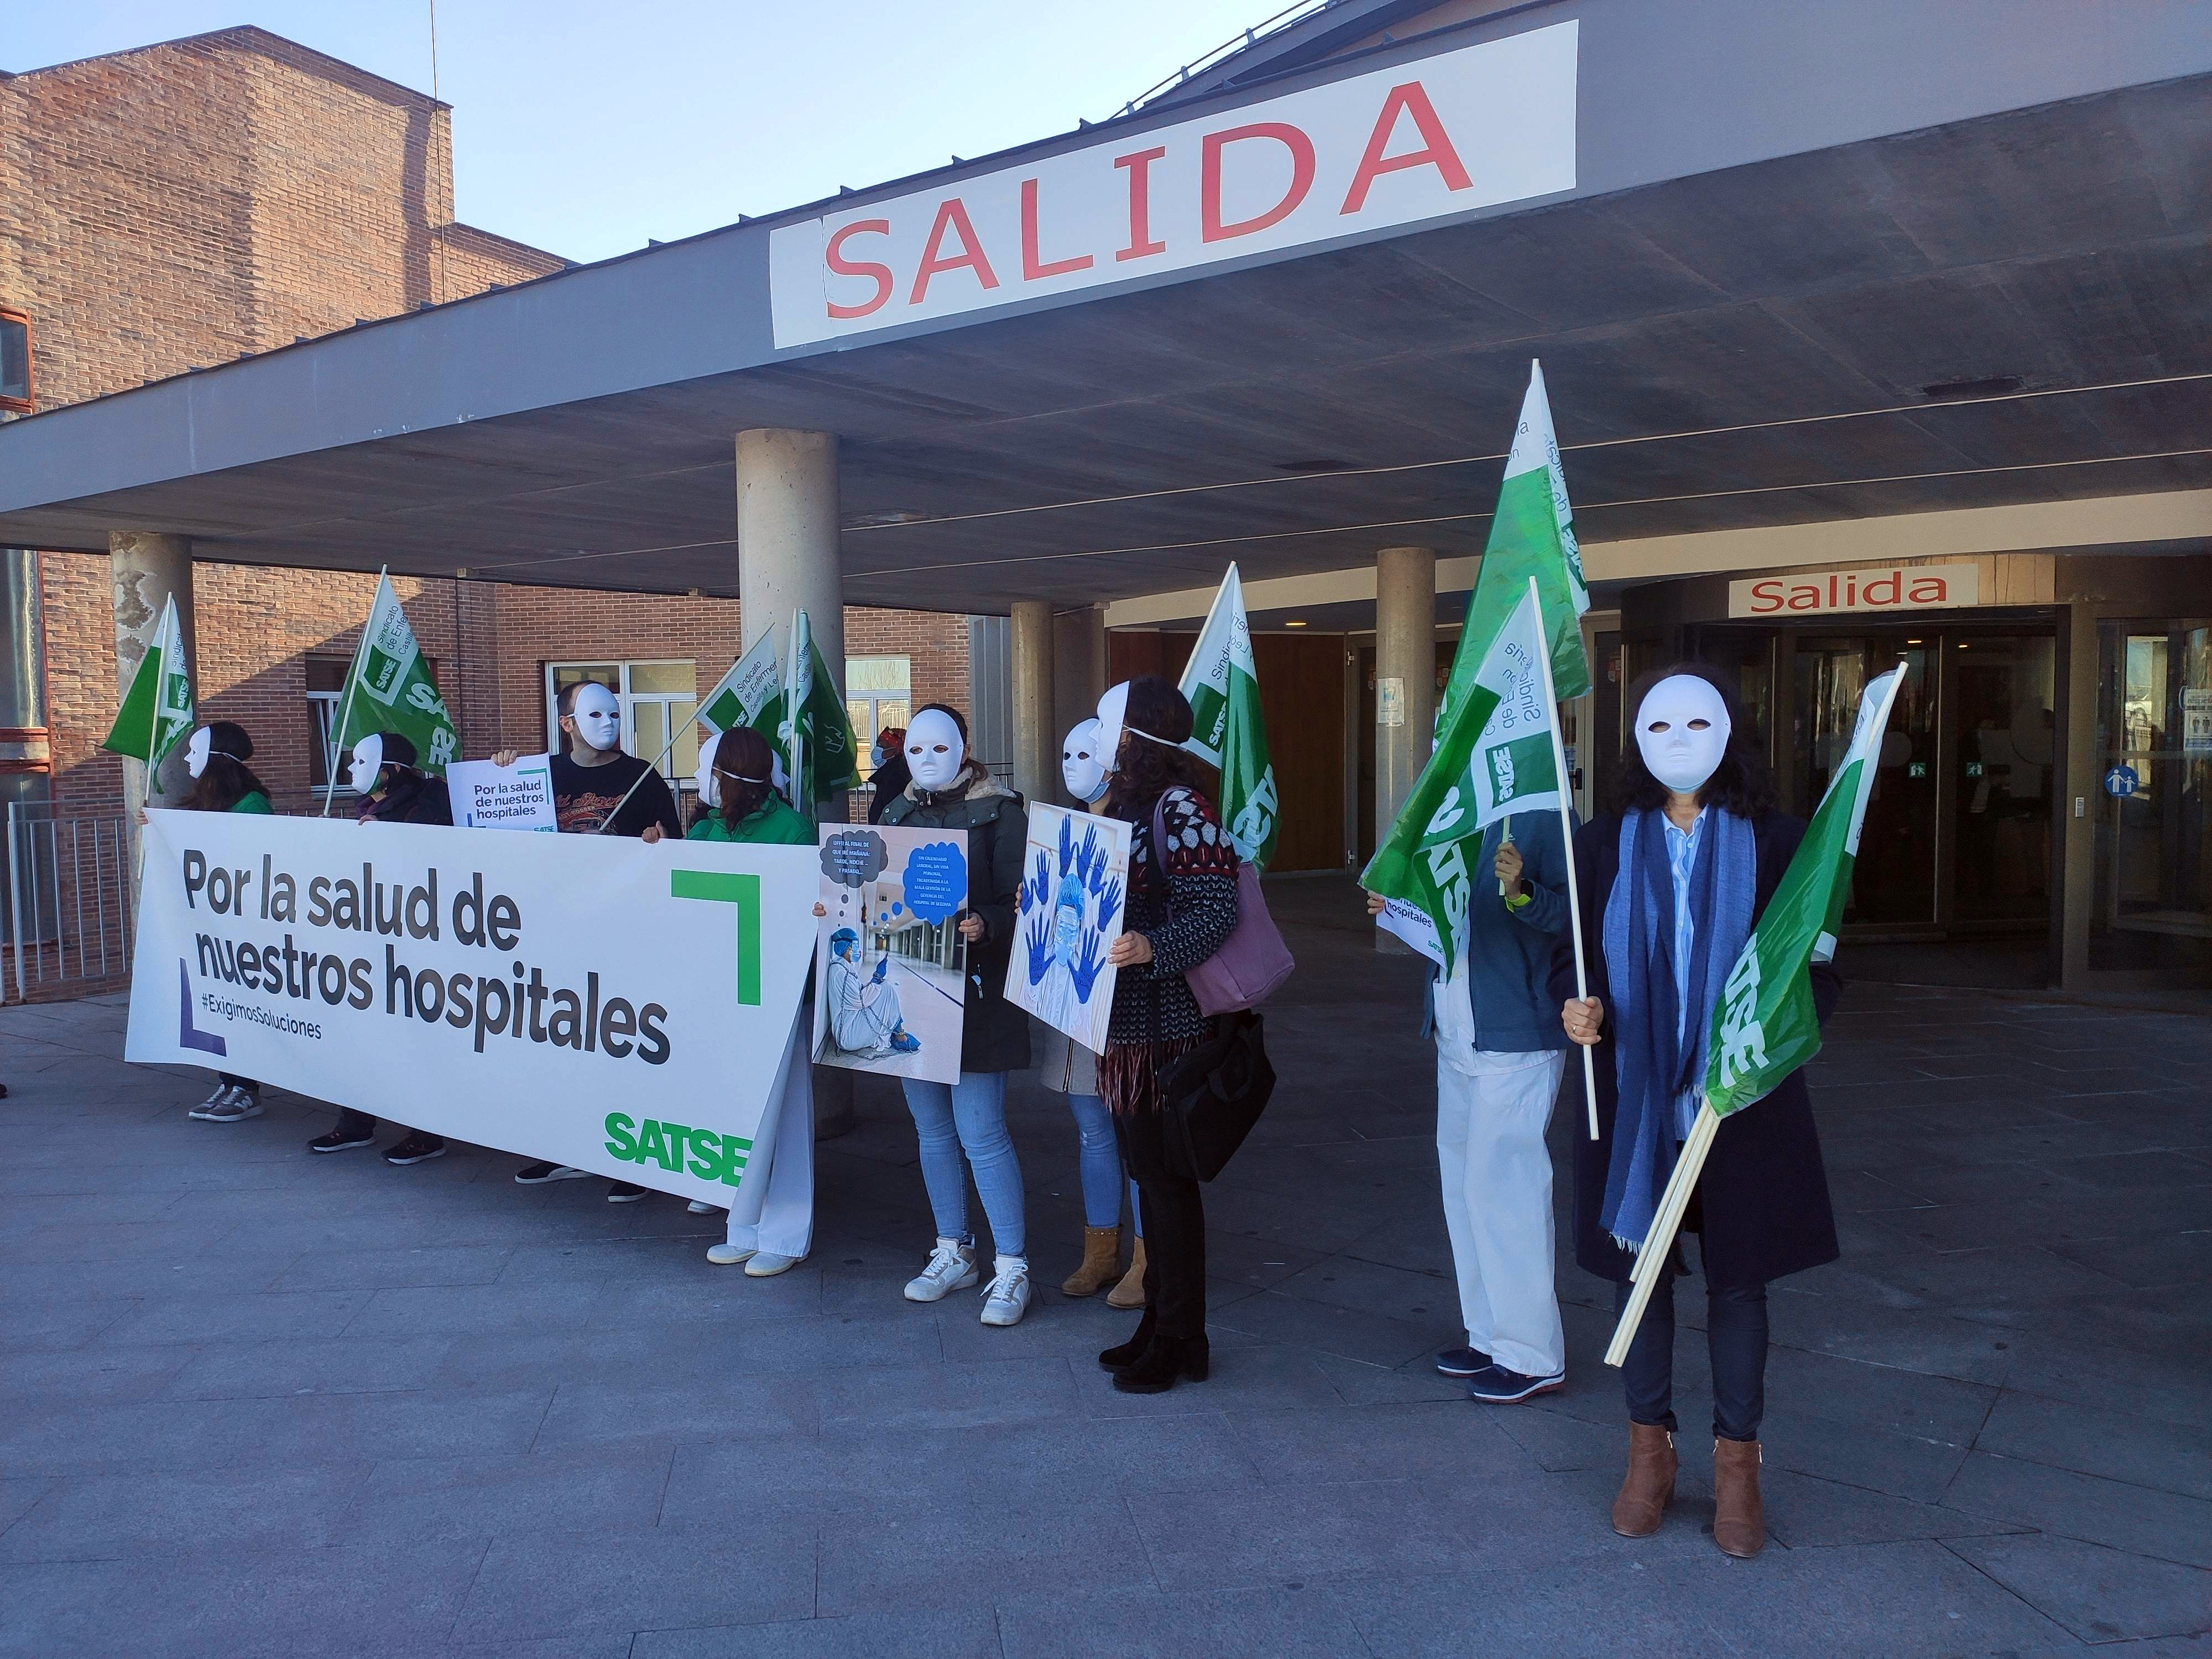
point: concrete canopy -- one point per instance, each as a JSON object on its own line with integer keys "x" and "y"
{"x": 1780, "y": 216}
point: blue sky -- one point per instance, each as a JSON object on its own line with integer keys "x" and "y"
{"x": 586, "y": 129}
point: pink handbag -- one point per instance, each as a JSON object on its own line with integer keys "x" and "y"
{"x": 1253, "y": 961}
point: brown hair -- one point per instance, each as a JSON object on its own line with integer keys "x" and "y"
{"x": 1144, "y": 770}
{"x": 741, "y": 754}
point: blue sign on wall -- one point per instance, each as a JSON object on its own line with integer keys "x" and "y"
{"x": 2123, "y": 782}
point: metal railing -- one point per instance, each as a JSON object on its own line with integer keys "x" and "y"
{"x": 67, "y": 922}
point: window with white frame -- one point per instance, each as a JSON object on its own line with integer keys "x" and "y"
{"x": 878, "y": 692}
{"x": 657, "y": 699}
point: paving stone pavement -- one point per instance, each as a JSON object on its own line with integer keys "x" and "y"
{"x": 256, "y": 1402}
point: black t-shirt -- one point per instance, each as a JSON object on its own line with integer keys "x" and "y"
{"x": 583, "y": 795}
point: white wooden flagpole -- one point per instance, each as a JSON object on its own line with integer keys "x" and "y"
{"x": 345, "y": 710}
{"x": 1567, "y": 840}
{"x": 1658, "y": 1249}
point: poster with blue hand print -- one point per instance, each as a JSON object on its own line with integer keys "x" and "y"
{"x": 1075, "y": 880}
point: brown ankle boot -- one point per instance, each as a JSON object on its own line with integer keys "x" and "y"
{"x": 1739, "y": 1516}
{"x": 1102, "y": 1262}
{"x": 1649, "y": 1486}
{"x": 1130, "y": 1292}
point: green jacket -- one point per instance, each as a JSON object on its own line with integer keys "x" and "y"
{"x": 771, "y": 821}
{"x": 252, "y": 801}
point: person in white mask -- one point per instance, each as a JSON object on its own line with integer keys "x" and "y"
{"x": 1673, "y": 880}
{"x": 597, "y": 789}
{"x": 215, "y": 759}
{"x": 953, "y": 790}
{"x": 1068, "y": 1068}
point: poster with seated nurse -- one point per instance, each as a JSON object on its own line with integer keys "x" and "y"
{"x": 889, "y": 963}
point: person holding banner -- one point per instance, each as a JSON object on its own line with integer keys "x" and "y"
{"x": 771, "y": 1225}
{"x": 389, "y": 787}
{"x": 599, "y": 790}
{"x": 1182, "y": 907}
{"x": 952, "y": 790}
{"x": 215, "y": 759}
{"x": 1672, "y": 881}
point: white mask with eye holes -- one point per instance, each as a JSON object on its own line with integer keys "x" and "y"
{"x": 195, "y": 752}
{"x": 1682, "y": 729}
{"x": 598, "y": 716}
{"x": 934, "y": 749}
{"x": 367, "y": 762}
{"x": 1080, "y": 766}
{"x": 708, "y": 779}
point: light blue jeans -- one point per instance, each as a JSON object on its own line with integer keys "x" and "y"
{"x": 1100, "y": 1164}
{"x": 969, "y": 1115}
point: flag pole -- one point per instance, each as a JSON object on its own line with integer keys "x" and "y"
{"x": 1567, "y": 840}
{"x": 345, "y": 710}
{"x": 1658, "y": 1252}
{"x": 666, "y": 749}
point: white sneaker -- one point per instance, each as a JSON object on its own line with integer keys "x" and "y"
{"x": 1006, "y": 1298}
{"x": 767, "y": 1264}
{"x": 701, "y": 1207}
{"x": 206, "y": 1108}
{"x": 951, "y": 1267}
{"x": 728, "y": 1255}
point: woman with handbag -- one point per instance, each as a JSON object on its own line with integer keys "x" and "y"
{"x": 1183, "y": 905}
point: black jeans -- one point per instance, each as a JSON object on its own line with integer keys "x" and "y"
{"x": 245, "y": 1082}
{"x": 1736, "y": 1338}
{"x": 1174, "y": 1213}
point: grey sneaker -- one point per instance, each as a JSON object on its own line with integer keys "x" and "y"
{"x": 206, "y": 1109}
{"x": 951, "y": 1266}
{"x": 235, "y": 1107}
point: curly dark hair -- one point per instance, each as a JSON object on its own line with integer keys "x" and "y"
{"x": 1743, "y": 783}
{"x": 1144, "y": 769}
{"x": 742, "y": 753}
{"x": 226, "y": 779}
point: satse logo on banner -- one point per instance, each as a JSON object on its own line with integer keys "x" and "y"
{"x": 1464, "y": 130}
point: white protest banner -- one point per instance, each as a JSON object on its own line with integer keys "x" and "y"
{"x": 1411, "y": 924}
{"x": 890, "y": 960}
{"x": 490, "y": 797}
{"x": 618, "y": 1007}
{"x": 1075, "y": 875}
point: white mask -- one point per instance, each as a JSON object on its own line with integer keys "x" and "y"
{"x": 195, "y": 752}
{"x": 1113, "y": 711}
{"x": 934, "y": 749}
{"x": 710, "y": 782}
{"x": 367, "y": 761}
{"x": 1079, "y": 764}
{"x": 1682, "y": 729}
{"x": 598, "y": 716}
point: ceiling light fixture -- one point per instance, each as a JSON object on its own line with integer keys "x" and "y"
{"x": 1294, "y": 624}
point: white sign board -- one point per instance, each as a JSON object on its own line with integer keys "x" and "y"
{"x": 1485, "y": 124}
{"x": 1411, "y": 923}
{"x": 587, "y": 998}
{"x": 889, "y": 958}
{"x": 2196, "y": 723}
{"x": 517, "y": 797}
{"x": 1075, "y": 884}
{"x": 1883, "y": 587}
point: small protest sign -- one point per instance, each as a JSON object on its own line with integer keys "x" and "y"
{"x": 889, "y": 958}
{"x": 1075, "y": 880}
{"x": 488, "y": 796}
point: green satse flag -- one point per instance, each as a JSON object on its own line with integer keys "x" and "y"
{"x": 753, "y": 694}
{"x": 1763, "y": 1025}
{"x": 1493, "y": 756}
{"x": 157, "y": 710}
{"x": 1228, "y": 730}
{"x": 824, "y": 734}
{"x": 741, "y": 696}
{"x": 1532, "y": 534}
{"x": 389, "y": 688}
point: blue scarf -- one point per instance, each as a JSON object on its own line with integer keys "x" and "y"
{"x": 1657, "y": 1054}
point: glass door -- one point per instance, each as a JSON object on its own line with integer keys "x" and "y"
{"x": 2000, "y": 692}
{"x": 1897, "y": 880}
{"x": 2154, "y": 879}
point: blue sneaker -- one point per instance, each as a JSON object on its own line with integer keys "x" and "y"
{"x": 1462, "y": 1362}
{"x": 904, "y": 1043}
{"x": 1498, "y": 1387}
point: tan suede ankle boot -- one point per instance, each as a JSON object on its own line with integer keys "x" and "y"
{"x": 1739, "y": 1513}
{"x": 1102, "y": 1262}
{"x": 1649, "y": 1486}
{"x": 1130, "y": 1292}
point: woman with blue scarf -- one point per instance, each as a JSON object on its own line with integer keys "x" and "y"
{"x": 1672, "y": 882}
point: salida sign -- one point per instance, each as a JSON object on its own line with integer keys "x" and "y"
{"x": 1464, "y": 130}
{"x": 1895, "y": 588}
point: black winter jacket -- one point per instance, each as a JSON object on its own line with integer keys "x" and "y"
{"x": 994, "y": 1034}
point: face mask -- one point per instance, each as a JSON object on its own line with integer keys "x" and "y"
{"x": 1079, "y": 764}
{"x": 710, "y": 782}
{"x": 877, "y": 755}
{"x": 195, "y": 752}
{"x": 1113, "y": 710}
{"x": 598, "y": 716}
{"x": 1682, "y": 729}
{"x": 367, "y": 762}
{"x": 934, "y": 749}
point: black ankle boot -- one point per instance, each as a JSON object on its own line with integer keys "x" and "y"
{"x": 1168, "y": 1361}
{"x": 1131, "y": 1352}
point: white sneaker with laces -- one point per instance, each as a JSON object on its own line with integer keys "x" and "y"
{"x": 728, "y": 1255}
{"x": 1006, "y": 1298}
{"x": 767, "y": 1264}
{"x": 951, "y": 1267}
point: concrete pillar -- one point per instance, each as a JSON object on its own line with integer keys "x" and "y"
{"x": 145, "y": 571}
{"x": 1079, "y": 666}
{"x": 1405, "y": 674}
{"x": 789, "y": 561}
{"x": 1036, "y": 740}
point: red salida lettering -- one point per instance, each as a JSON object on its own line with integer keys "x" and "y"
{"x": 1435, "y": 149}
{"x": 834, "y": 256}
{"x": 1209, "y": 179}
{"x": 951, "y": 216}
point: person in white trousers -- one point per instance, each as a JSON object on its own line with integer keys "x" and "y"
{"x": 1500, "y": 1055}
{"x": 772, "y": 1222}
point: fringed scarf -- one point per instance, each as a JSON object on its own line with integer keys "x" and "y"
{"x": 1657, "y": 1055}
